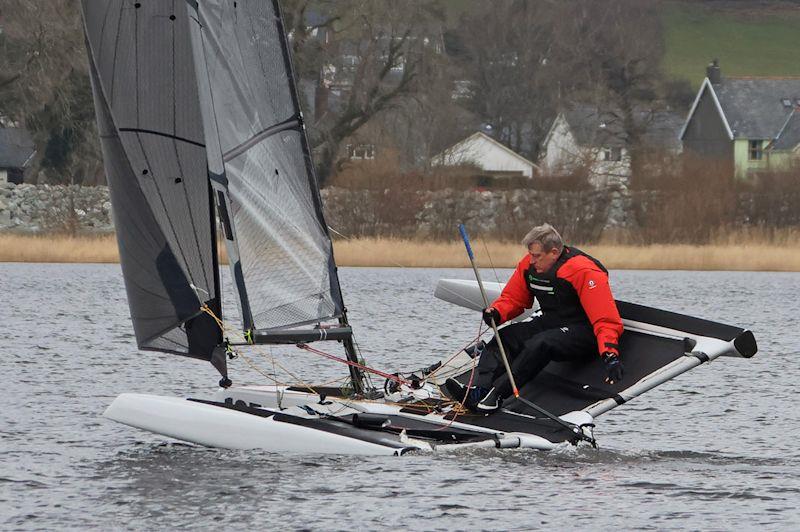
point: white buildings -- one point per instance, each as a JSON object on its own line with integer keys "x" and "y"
{"x": 484, "y": 152}
{"x": 582, "y": 139}
{"x": 585, "y": 139}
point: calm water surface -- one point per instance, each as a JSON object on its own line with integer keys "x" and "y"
{"x": 717, "y": 449}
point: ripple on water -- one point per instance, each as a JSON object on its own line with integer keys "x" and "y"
{"x": 718, "y": 446}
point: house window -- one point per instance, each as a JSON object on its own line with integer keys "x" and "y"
{"x": 612, "y": 154}
{"x": 360, "y": 151}
{"x": 755, "y": 152}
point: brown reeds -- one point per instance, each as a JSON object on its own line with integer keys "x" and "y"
{"x": 58, "y": 248}
{"x": 745, "y": 250}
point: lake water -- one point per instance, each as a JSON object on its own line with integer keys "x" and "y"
{"x": 717, "y": 449}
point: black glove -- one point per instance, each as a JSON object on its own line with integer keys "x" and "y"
{"x": 614, "y": 367}
{"x": 488, "y": 314}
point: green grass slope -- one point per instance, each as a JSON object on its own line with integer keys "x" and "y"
{"x": 757, "y": 41}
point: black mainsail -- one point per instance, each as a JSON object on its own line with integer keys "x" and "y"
{"x": 258, "y": 155}
{"x": 199, "y": 113}
{"x": 150, "y": 125}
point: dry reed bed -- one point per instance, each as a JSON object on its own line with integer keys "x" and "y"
{"x": 781, "y": 252}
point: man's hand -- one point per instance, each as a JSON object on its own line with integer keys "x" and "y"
{"x": 614, "y": 368}
{"x": 489, "y": 314}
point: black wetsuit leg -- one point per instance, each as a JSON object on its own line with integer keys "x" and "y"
{"x": 573, "y": 342}
{"x": 514, "y": 336}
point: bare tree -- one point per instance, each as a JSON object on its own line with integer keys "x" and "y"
{"x": 614, "y": 49}
{"x": 44, "y": 84}
{"x": 368, "y": 61}
{"x": 506, "y": 51}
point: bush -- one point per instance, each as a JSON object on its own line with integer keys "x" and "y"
{"x": 687, "y": 203}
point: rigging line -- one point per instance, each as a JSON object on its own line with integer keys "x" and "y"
{"x": 452, "y": 292}
{"x": 301, "y": 382}
{"x": 274, "y": 371}
{"x": 259, "y": 370}
{"x": 361, "y": 357}
{"x": 383, "y": 374}
{"x": 444, "y": 364}
{"x": 221, "y": 325}
{"x": 469, "y": 385}
{"x": 491, "y": 263}
{"x": 362, "y": 246}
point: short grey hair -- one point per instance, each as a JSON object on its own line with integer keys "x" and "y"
{"x": 546, "y": 235}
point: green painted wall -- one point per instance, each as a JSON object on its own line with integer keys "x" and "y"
{"x": 771, "y": 160}
{"x": 781, "y": 160}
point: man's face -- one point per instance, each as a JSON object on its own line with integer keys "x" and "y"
{"x": 540, "y": 259}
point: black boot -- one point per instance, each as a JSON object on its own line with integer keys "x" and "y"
{"x": 455, "y": 390}
{"x": 490, "y": 402}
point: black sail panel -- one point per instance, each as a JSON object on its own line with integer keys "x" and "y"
{"x": 281, "y": 253}
{"x": 150, "y": 126}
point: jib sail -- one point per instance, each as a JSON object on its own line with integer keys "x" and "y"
{"x": 148, "y": 115}
{"x": 278, "y": 243}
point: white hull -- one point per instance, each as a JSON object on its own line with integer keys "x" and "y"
{"x": 215, "y": 425}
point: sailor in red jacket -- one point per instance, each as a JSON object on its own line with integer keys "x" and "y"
{"x": 579, "y": 320}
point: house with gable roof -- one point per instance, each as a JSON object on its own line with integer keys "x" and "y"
{"x": 16, "y": 153}
{"x": 751, "y": 124}
{"x": 587, "y": 137}
{"x": 482, "y": 151}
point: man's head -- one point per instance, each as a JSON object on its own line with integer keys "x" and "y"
{"x": 544, "y": 245}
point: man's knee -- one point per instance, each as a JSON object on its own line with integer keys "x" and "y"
{"x": 558, "y": 344}
{"x": 541, "y": 342}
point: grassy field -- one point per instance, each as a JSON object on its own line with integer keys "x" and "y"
{"x": 778, "y": 251}
{"x": 754, "y": 41}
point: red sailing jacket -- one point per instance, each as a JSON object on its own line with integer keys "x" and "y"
{"x": 574, "y": 290}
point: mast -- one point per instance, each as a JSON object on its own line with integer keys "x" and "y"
{"x": 356, "y": 374}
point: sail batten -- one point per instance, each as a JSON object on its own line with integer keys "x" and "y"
{"x": 290, "y": 123}
{"x": 281, "y": 253}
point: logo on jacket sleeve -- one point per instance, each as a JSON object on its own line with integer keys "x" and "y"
{"x": 592, "y": 284}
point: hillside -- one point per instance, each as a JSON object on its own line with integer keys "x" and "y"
{"x": 748, "y": 40}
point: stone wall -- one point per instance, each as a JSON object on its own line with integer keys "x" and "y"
{"x": 54, "y": 208}
{"x": 435, "y": 214}
{"x": 583, "y": 215}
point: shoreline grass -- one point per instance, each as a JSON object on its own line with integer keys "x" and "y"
{"x": 735, "y": 252}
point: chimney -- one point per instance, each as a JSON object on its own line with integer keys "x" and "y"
{"x": 713, "y": 72}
